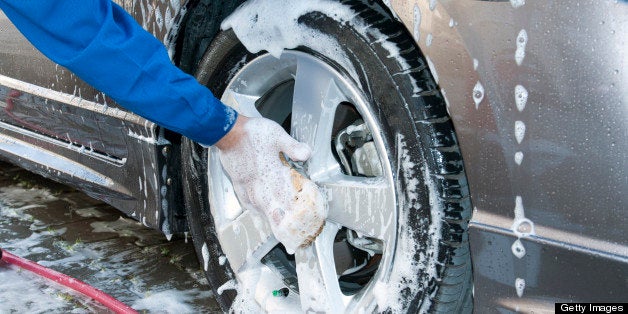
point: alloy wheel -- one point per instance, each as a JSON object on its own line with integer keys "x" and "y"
{"x": 322, "y": 107}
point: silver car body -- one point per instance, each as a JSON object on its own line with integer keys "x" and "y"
{"x": 537, "y": 91}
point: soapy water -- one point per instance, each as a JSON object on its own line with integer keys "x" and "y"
{"x": 257, "y": 26}
{"x": 478, "y": 94}
{"x": 294, "y": 206}
{"x": 205, "y": 254}
{"x": 405, "y": 278}
{"x": 518, "y": 158}
{"x": 520, "y": 52}
{"x": 520, "y": 131}
{"x": 519, "y": 211}
{"x": 171, "y": 301}
{"x": 517, "y": 3}
{"x": 23, "y": 291}
{"x": 521, "y": 97}
{"x": 522, "y": 227}
{"x": 99, "y": 259}
{"x": 520, "y": 285}
{"x": 517, "y": 249}
{"x": 432, "y": 5}
{"x": 416, "y": 29}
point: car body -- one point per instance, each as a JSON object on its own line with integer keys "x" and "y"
{"x": 537, "y": 93}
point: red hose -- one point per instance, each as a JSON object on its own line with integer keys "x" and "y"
{"x": 77, "y": 285}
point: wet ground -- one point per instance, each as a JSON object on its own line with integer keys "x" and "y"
{"x": 65, "y": 230}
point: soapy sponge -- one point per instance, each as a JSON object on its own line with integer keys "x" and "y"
{"x": 300, "y": 226}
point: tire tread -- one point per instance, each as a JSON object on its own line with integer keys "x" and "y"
{"x": 454, "y": 293}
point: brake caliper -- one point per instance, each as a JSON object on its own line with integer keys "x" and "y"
{"x": 356, "y": 150}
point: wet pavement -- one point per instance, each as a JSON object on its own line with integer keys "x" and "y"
{"x": 65, "y": 230}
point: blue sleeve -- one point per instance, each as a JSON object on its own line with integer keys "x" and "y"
{"x": 104, "y": 46}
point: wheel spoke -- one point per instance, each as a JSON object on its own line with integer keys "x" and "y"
{"x": 319, "y": 290}
{"x": 365, "y": 205}
{"x": 242, "y": 103}
{"x": 250, "y": 238}
{"x": 316, "y": 96}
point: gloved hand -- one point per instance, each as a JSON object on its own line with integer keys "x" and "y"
{"x": 294, "y": 205}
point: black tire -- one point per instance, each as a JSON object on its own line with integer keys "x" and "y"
{"x": 418, "y": 134}
{"x": 200, "y": 26}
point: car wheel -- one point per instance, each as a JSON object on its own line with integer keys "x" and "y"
{"x": 385, "y": 153}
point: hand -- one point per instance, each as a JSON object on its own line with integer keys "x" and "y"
{"x": 294, "y": 205}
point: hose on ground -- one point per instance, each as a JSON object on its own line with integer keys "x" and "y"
{"x": 74, "y": 284}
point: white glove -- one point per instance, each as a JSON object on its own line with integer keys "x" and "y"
{"x": 294, "y": 205}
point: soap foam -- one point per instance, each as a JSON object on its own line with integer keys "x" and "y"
{"x": 521, "y": 97}
{"x": 295, "y": 207}
{"x": 478, "y": 94}
{"x": 520, "y": 131}
{"x": 522, "y": 40}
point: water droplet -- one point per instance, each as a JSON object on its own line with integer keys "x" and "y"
{"x": 520, "y": 285}
{"x": 478, "y": 94}
{"x": 523, "y": 227}
{"x": 428, "y": 40}
{"x": 518, "y": 249}
{"x": 417, "y": 23}
{"x": 519, "y": 211}
{"x": 521, "y": 97}
{"x": 518, "y": 158}
{"x": 522, "y": 40}
{"x": 520, "y": 131}
{"x": 517, "y": 3}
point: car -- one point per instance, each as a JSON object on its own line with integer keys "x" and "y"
{"x": 472, "y": 153}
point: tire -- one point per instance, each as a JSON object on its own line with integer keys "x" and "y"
{"x": 200, "y": 26}
{"x": 421, "y": 256}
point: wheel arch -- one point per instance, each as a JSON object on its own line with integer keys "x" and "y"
{"x": 199, "y": 25}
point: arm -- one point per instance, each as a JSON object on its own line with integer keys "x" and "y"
{"x": 104, "y": 46}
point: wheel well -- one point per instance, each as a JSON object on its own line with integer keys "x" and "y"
{"x": 202, "y": 23}
{"x": 198, "y": 29}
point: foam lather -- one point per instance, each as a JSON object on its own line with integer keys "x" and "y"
{"x": 263, "y": 180}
